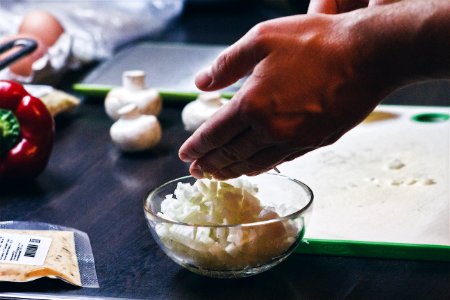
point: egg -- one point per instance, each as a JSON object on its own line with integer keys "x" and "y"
{"x": 42, "y": 25}
{"x": 45, "y": 29}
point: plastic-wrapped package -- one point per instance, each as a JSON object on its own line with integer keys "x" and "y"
{"x": 31, "y": 250}
{"x": 93, "y": 29}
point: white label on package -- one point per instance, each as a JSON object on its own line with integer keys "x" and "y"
{"x": 23, "y": 249}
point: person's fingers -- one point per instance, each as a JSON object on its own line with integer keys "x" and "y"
{"x": 262, "y": 161}
{"x": 297, "y": 154}
{"x": 336, "y": 6}
{"x": 217, "y": 131}
{"x": 382, "y": 2}
{"x": 322, "y": 7}
{"x": 251, "y": 153}
{"x": 196, "y": 170}
{"x": 229, "y": 122}
{"x": 239, "y": 149}
{"x": 233, "y": 63}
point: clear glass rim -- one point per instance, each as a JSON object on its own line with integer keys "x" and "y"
{"x": 265, "y": 222}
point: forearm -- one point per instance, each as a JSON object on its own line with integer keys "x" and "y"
{"x": 403, "y": 42}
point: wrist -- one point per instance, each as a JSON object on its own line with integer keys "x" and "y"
{"x": 401, "y": 43}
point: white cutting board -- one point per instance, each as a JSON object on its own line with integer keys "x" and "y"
{"x": 384, "y": 181}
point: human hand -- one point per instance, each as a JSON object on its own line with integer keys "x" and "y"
{"x": 302, "y": 94}
{"x": 312, "y": 78}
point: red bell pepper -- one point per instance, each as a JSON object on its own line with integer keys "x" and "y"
{"x": 26, "y": 133}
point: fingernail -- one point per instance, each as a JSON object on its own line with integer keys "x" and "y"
{"x": 203, "y": 79}
{"x": 185, "y": 157}
{"x": 196, "y": 171}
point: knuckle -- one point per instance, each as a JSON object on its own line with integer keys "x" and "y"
{"x": 260, "y": 30}
{"x": 221, "y": 64}
{"x": 260, "y": 35}
{"x": 256, "y": 164}
{"x": 250, "y": 106}
{"x": 277, "y": 132}
{"x": 253, "y": 169}
{"x": 231, "y": 154}
{"x": 207, "y": 140}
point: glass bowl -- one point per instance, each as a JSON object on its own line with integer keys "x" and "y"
{"x": 236, "y": 249}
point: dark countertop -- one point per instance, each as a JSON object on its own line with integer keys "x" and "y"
{"x": 90, "y": 186}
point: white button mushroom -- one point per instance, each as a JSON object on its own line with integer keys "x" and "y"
{"x": 135, "y": 132}
{"x": 200, "y": 110}
{"x": 133, "y": 90}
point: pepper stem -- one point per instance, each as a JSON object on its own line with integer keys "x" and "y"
{"x": 9, "y": 130}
